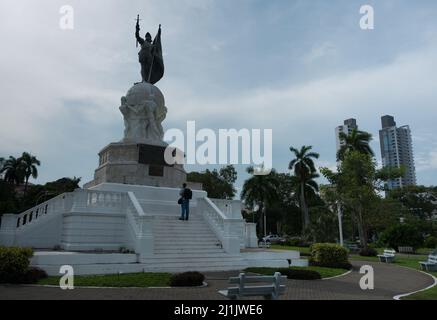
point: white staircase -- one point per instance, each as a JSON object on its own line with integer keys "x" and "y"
{"x": 90, "y": 226}
{"x": 189, "y": 245}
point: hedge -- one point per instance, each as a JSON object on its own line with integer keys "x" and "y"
{"x": 187, "y": 279}
{"x": 14, "y": 264}
{"x": 329, "y": 255}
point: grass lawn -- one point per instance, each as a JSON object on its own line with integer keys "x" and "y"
{"x": 123, "y": 280}
{"x": 324, "y": 272}
{"x": 410, "y": 261}
{"x": 305, "y": 250}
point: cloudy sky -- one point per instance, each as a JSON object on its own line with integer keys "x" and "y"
{"x": 297, "y": 67}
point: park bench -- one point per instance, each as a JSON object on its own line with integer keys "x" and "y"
{"x": 408, "y": 250}
{"x": 273, "y": 287}
{"x": 264, "y": 244}
{"x": 388, "y": 256}
{"x": 431, "y": 264}
{"x": 352, "y": 247}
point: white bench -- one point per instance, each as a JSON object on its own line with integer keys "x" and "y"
{"x": 431, "y": 264}
{"x": 264, "y": 244}
{"x": 274, "y": 287}
{"x": 388, "y": 256}
{"x": 408, "y": 250}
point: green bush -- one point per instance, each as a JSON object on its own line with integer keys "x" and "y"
{"x": 187, "y": 279}
{"x": 33, "y": 275}
{"x": 329, "y": 255}
{"x": 14, "y": 264}
{"x": 402, "y": 235}
{"x": 430, "y": 242}
{"x": 300, "y": 274}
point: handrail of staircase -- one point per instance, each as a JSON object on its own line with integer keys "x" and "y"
{"x": 134, "y": 201}
{"x": 35, "y": 213}
{"x": 231, "y": 208}
{"x": 141, "y": 226}
{"x": 228, "y": 230}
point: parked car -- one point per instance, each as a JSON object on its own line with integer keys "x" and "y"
{"x": 273, "y": 238}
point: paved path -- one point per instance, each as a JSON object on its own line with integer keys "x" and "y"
{"x": 390, "y": 280}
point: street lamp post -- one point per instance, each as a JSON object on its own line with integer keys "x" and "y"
{"x": 340, "y": 224}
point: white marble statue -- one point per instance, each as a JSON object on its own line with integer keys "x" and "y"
{"x": 144, "y": 110}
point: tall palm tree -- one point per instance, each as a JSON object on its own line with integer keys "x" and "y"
{"x": 2, "y": 162}
{"x": 260, "y": 191}
{"x": 13, "y": 170}
{"x": 304, "y": 170}
{"x": 29, "y": 164}
{"x": 355, "y": 141}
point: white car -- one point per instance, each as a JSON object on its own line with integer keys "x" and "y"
{"x": 273, "y": 238}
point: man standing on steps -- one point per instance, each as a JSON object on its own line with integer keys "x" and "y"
{"x": 186, "y": 195}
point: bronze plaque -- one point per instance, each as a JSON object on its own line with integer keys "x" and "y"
{"x": 151, "y": 155}
{"x": 156, "y": 171}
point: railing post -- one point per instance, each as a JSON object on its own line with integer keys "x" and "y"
{"x": 250, "y": 235}
{"x": 231, "y": 239}
{"x": 145, "y": 240}
{"x": 8, "y": 229}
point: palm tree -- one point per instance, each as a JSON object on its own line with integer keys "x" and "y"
{"x": 13, "y": 170}
{"x": 260, "y": 191}
{"x": 304, "y": 170}
{"x": 355, "y": 141}
{"x": 29, "y": 164}
{"x": 2, "y": 162}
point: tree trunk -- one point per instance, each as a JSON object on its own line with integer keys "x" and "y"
{"x": 362, "y": 229}
{"x": 25, "y": 185}
{"x": 305, "y": 215}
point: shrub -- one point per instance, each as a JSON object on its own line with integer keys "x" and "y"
{"x": 300, "y": 274}
{"x": 14, "y": 264}
{"x": 430, "y": 242}
{"x": 369, "y": 252}
{"x": 33, "y": 275}
{"x": 187, "y": 279}
{"x": 403, "y": 235}
{"x": 329, "y": 255}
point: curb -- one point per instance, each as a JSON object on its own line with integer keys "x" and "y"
{"x": 400, "y": 296}
{"x": 204, "y": 285}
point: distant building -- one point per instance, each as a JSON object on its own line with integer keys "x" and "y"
{"x": 397, "y": 151}
{"x": 348, "y": 126}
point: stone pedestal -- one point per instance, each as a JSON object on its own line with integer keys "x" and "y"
{"x": 137, "y": 164}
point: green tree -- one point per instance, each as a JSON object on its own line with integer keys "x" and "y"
{"x": 29, "y": 164}
{"x": 355, "y": 187}
{"x": 355, "y": 141}
{"x": 13, "y": 170}
{"x": 304, "y": 171}
{"x": 260, "y": 191}
{"x": 218, "y": 184}
{"x": 421, "y": 201}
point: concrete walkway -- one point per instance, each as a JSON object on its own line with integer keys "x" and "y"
{"x": 390, "y": 280}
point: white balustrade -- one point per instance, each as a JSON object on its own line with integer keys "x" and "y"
{"x": 228, "y": 230}
{"x": 230, "y": 208}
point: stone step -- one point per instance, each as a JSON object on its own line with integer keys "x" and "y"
{"x": 210, "y": 261}
{"x": 188, "y": 250}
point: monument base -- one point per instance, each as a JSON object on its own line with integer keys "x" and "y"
{"x": 137, "y": 164}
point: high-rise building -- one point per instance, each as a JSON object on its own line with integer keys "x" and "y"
{"x": 348, "y": 126}
{"x": 397, "y": 151}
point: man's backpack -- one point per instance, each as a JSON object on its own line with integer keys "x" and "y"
{"x": 188, "y": 194}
